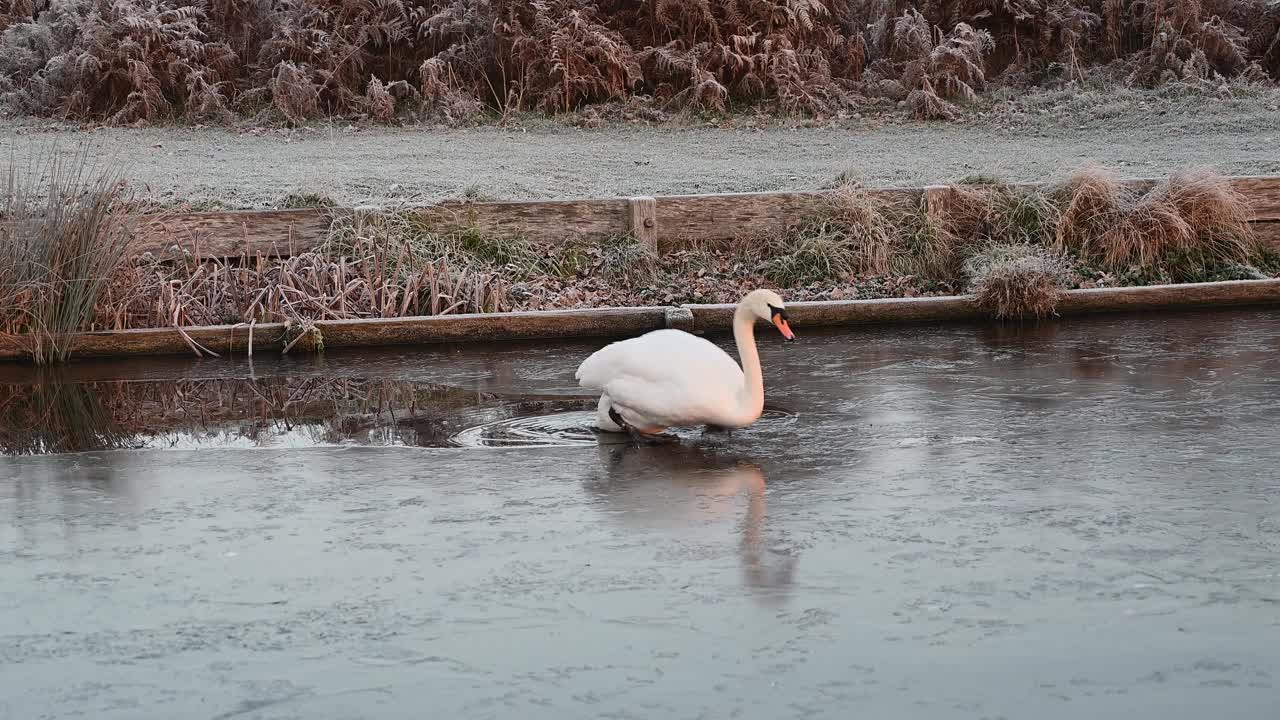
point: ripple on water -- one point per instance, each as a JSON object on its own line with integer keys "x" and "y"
{"x": 573, "y": 429}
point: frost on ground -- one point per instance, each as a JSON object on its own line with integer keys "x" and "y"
{"x": 1048, "y": 135}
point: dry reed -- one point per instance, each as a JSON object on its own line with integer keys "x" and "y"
{"x": 1193, "y": 217}
{"x": 63, "y": 235}
{"x": 1016, "y": 282}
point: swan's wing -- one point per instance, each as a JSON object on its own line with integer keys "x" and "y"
{"x": 658, "y": 356}
{"x": 666, "y": 375}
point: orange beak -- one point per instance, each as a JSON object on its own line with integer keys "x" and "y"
{"x": 784, "y": 327}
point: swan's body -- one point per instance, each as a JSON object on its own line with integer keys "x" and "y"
{"x": 670, "y": 378}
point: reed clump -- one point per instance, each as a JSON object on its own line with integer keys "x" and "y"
{"x": 64, "y": 234}
{"x": 1017, "y": 282}
{"x": 858, "y": 234}
{"x": 366, "y": 271}
{"x": 1192, "y": 221}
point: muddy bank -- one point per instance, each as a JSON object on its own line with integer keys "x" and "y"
{"x": 551, "y": 160}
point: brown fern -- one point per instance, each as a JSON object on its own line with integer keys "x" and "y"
{"x": 130, "y": 61}
{"x": 134, "y": 61}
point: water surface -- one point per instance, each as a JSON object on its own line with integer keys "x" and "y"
{"x": 1072, "y": 520}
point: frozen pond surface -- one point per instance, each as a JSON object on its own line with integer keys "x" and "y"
{"x": 1079, "y": 520}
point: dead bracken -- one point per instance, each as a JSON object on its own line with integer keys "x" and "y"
{"x": 136, "y": 61}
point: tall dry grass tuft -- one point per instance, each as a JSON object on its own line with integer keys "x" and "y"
{"x": 1016, "y": 282}
{"x": 1193, "y": 219}
{"x": 858, "y": 234}
{"x": 64, "y": 234}
{"x": 871, "y": 224}
{"x": 978, "y": 212}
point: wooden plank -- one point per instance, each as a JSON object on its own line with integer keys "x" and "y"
{"x": 230, "y": 234}
{"x": 642, "y": 220}
{"x": 222, "y": 339}
{"x": 1264, "y": 196}
{"x": 599, "y": 322}
{"x": 675, "y": 218}
{"x": 719, "y": 318}
{"x": 234, "y": 340}
{"x": 625, "y": 322}
{"x": 1170, "y": 297}
{"x": 1268, "y": 231}
{"x": 738, "y": 215}
{"x": 549, "y": 220}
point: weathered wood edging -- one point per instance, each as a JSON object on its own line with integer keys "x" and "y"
{"x": 625, "y": 322}
{"x": 661, "y": 221}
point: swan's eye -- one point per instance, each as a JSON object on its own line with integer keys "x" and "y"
{"x": 775, "y": 312}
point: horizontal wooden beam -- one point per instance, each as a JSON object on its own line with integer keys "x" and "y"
{"x": 667, "y": 219}
{"x": 628, "y": 322}
{"x": 716, "y": 318}
{"x": 535, "y": 220}
{"x": 231, "y": 234}
{"x": 733, "y": 215}
{"x": 1268, "y": 231}
{"x": 1263, "y": 193}
{"x": 237, "y": 339}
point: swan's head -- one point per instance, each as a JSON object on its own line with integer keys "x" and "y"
{"x": 768, "y": 306}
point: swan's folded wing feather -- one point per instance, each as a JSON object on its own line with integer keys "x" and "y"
{"x": 661, "y": 356}
{"x": 668, "y": 377}
{"x": 659, "y": 403}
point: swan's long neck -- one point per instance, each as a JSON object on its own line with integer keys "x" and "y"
{"x": 751, "y": 400}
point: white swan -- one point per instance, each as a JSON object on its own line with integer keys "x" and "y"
{"x": 670, "y": 378}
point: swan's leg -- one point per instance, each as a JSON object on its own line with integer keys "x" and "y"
{"x": 608, "y": 419}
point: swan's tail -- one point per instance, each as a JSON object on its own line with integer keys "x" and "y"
{"x": 603, "y": 421}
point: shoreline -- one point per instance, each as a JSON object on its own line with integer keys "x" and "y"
{"x": 617, "y": 322}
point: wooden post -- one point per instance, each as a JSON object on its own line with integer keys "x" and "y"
{"x": 680, "y": 318}
{"x": 937, "y": 202}
{"x": 642, "y": 220}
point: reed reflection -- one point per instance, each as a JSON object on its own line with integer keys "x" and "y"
{"x": 54, "y": 416}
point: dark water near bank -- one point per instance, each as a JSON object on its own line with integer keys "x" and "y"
{"x": 1074, "y": 520}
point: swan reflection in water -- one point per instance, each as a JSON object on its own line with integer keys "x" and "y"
{"x": 673, "y": 487}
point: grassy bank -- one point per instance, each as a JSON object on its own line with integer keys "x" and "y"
{"x": 64, "y": 268}
{"x": 129, "y": 61}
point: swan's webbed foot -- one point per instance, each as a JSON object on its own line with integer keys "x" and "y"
{"x": 653, "y": 438}
{"x": 642, "y": 437}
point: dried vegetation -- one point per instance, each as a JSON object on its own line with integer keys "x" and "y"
{"x": 63, "y": 236}
{"x": 369, "y": 270}
{"x": 129, "y": 61}
{"x": 64, "y": 265}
